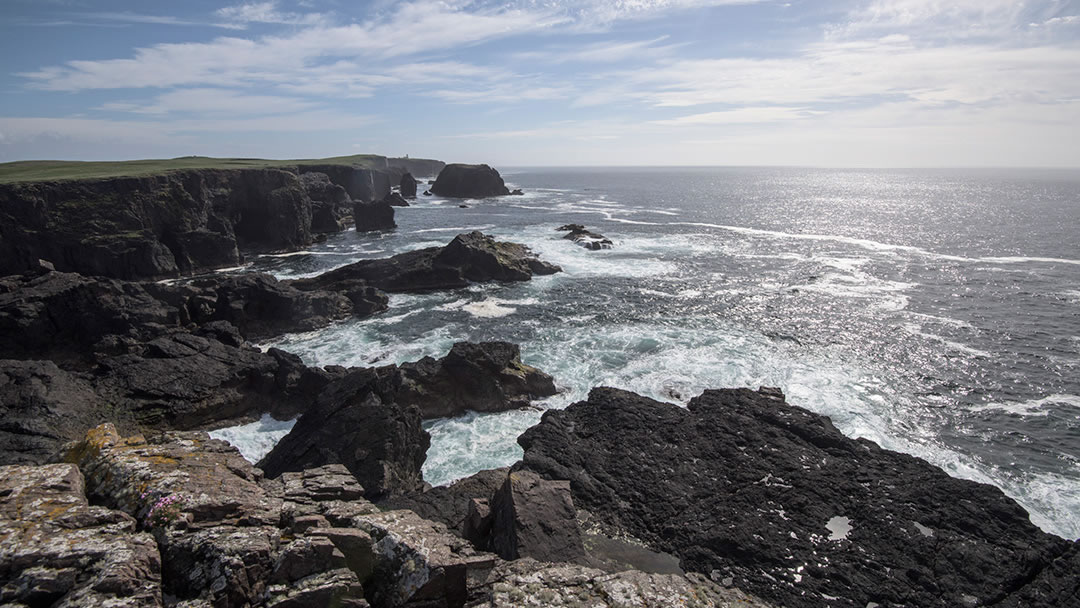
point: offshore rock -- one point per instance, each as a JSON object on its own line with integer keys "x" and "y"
{"x": 395, "y": 199}
{"x": 355, "y": 423}
{"x": 57, "y": 550}
{"x": 408, "y": 186}
{"x": 484, "y": 377}
{"x": 471, "y": 257}
{"x": 528, "y": 583}
{"x": 469, "y": 181}
{"x": 374, "y": 216}
{"x": 742, "y": 485}
{"x": 585, "y": 238}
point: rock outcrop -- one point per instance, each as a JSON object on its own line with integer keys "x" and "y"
{"x": 485, "y": 377}
{"x": 471, "y": 257}
{"x": 370, "y": 217}
{"x": 746, "y": 488}
{"x": 587, "y": 239}
{"x": 533, "y": 517}
{"x": 408, "y": 186}
{"x": 469, "y": 181}
{"x": 395, "y": 199}
{"x": 356, "y": 423}
{"x": 57, "y": 550}
{"x": 331, "y": 207}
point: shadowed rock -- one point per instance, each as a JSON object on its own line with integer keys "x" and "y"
{"x": 331, "y": 207}
{"x": 533, "y": 517}
{"x": 742, "y": 485}
{"x": 408, "y": 186}
{"x": 469, "y": 181}
{"x": 370, "y": 217}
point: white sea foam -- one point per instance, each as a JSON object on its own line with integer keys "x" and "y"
{"x": 491, "y": 308}
{"x": 457, "y": 229}
{"x": 256, "y": 439}
{"x": 917, "y": 330}
{"x": 1033, "y": 407}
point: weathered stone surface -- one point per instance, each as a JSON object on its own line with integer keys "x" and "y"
{"x": 419, "y": 561}
{"x": 484, "y": 377}
{"x": 586, "y": 238}
{"x": 355, "y": 423}
{"x": 743, "y": 486}
{"x": 57, "y": 550}
{"x": 469, "y": 257}
{"x": 533, "y": 517}
{"x": 334, "y": 588}
{"x": 469, "y": 181}
{"x": 41, "y": 407}
{"x": 395, "y": 199}
{"x": 527, "y": 582}
{"x": 331, "y": 207}
{"x": 373, "y": 216}
{"x": 408, "y": 186}
{"x": 449, "y": 505}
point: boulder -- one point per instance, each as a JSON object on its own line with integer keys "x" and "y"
{"x": 419, "y": 561}
{"x": 742, "y": 486}
{"x": 469, "y": 257}
{"x": 485, "y": 377}
{"x": 450, "y": 505}
{"x": 57, "y": 550}
{"x": 585, "y": 238}
{"x": 533, "y": 517}
{"x": 355, "y": 423}
{"x": 469, "y": 181}
{"x": 408, "y": 186}
{"x": 370, "y": 217}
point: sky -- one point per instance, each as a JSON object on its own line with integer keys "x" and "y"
{"x": 849, "y": 83}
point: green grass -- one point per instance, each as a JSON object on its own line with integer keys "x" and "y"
{"x": 52, "y": 170}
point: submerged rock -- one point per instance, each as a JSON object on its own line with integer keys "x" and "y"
{"x": 469, "y": 181}
{"x": 585, "y": 238}
{"x": 742, "y": 486}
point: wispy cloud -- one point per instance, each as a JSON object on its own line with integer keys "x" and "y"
{"x": 268, "y": 12}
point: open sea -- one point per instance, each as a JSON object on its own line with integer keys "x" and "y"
{"x": 935, "y": 312}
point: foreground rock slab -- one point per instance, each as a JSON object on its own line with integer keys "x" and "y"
{"x": 772, "y": 498}
{"x": 57, "y": 550}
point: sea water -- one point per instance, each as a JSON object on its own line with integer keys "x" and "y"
{"x": 936, "y": 313}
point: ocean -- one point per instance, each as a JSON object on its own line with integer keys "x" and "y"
{"x": 935, "y": 312}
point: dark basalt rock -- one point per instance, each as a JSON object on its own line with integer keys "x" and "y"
{"x": 361, "y": 184}
{"x": 743, "y": 486}
{"x": 533, "y": 517}
{"x": 469, "y": 181}
{"x": 485, "y": 377}
{"x": 331, "y": 207}
{"x": 449, "y": 505}
{"x": 469, "y": 257}
{"x": 517, "y": 192}
{"x": 395, "y": 199}
{"x": 408, "y": 186}
{"x": 355, "y": 422}
{"x": 585, "y": 238}
{"x": 370, "y": 217}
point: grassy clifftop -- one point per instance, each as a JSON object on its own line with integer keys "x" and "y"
{"x": 51, "y": 170}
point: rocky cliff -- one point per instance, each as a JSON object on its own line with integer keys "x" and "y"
{"x": 180, "y": 222}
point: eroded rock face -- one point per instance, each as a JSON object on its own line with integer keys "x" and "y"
{"x": 586, "y": 238}
{"x": 370, "y": 217}
{"x": 57, "y": 550}
{"x": 534, "y": 517}
{"x": 469, "y": 181}
{"x": 469, "y": 257}
{"x": 485, "y": 377}
{"x": 408, "y": 186}
{"x": 356, "y": 423}
{"x": 144, "y": 227}
{"x": 395, "y": 199}
{"x": 742, "y": 485}
{"x": 331, "y": 207}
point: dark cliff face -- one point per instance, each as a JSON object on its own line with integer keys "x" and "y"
{"x": 145, "y": 227}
